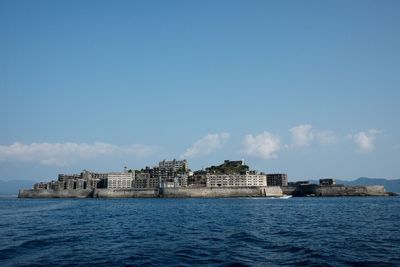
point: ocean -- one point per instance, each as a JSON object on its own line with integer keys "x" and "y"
{"x": 344, "y": 231}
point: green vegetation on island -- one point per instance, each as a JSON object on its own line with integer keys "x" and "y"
{"x": 229, "y": 167}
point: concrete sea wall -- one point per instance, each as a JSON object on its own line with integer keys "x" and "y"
{"x": 183, "y": 192}
{"x": 124, "y": 193}
{"x": 48, "y": 193}
{"x": 375, "y": 190}
{"x": 335, "y": 190}
{"x": 288, "y": 190}
{"x": 207, "y": 192}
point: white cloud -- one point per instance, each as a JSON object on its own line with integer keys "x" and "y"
{"x": 264, "y": 145}
{"x": 65, "y": 153}
{"x": 206, "y": 145}
{"x": 303, "y": 135}
{"x": 365, "y": 139}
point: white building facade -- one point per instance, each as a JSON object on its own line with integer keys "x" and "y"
{"x": 236, "y": 180}
{"x": 120, "y": 180}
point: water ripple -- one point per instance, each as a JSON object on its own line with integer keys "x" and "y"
{"x": 194, "y": 232}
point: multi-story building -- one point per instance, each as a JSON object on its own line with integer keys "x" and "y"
{"x": 57, "y": 185}
{"x": 181, "y": 180}
{"x": 175, "y": 165}
{"x": 65, "y": 177}
{"x": 277, "y": 179}
{"x": 298, "y": 183}
{"x": 84, "y": 180}
{"x": 233, "y": 163}
{"x": 90, "y": 180}
{"x": 93, "y": 179}
{"x": 156, "y": 177}
{"x": 327, "y": 182}
{"x": 161, "y": 173}
{"x": 198, "y": 179}
{"x": 165, "y": 184}
{"x": 172, "y": 172}
{"x": 69, "y": 184}
{"x": 40, "y": 185}
{"x": 236, "y": 180}
{"x": 120, "y": 180}
{"x": 144, "y": 181}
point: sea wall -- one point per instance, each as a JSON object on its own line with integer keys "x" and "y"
{"x": 289, "y": 190}
{"x": 125, "y": 193}
{"x": 209, "y": 192}
{"x": 48, "y": 193}
{"x": 183, "y": 192}
{"x": 375, "y": 190}
{"x": 335, "y": 190}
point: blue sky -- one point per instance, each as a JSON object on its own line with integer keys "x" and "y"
{"x": 310, "y": 88}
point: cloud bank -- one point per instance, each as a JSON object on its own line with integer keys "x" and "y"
{"x": 264, "y": 145}
{"x": 206, "y": 145}
{"x": 267, "y": 145}
{"x": 66, "y": 153}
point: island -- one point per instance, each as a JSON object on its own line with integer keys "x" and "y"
{"x": 174, "y": 179}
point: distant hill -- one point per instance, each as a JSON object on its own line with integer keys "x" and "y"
{"x": 12, "y": 187}
{"x": 390, "y": 185}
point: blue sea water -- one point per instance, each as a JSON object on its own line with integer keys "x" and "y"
{"x": 357, "y": 231}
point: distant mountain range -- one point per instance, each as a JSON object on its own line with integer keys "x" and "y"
{"x": 390, "y": 185}
{"x": 8, "y": 188}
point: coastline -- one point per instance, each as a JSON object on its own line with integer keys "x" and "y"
{"x": 209, "y": 192}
